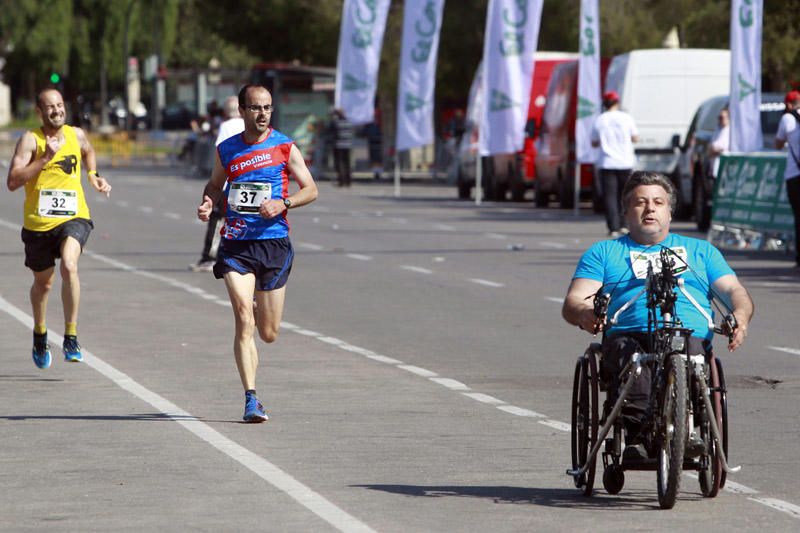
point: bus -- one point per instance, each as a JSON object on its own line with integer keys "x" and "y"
{"x": 302, "y": 96}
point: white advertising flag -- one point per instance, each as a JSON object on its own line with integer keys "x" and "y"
{"x": 510, "y": 40}
{"x": 588, "y": 82}
{"x": 360, "y": 42}
{"x": 745, "y": 100}
{"x": 422, "y": 20}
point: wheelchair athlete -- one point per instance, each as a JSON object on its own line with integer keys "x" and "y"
{"x": 619, "y": 266}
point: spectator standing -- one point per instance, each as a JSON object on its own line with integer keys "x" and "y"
{"x": 614, "y": 132}
{"x": 232, "y": 125}
{"x": 720, "y": 141}
{"x": 789, "y": 135}
{"x": 342, "y": 135}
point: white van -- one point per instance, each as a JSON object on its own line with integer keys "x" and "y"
{"x": 661, "y": 89}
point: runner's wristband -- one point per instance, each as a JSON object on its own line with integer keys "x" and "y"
{"x": 93, "y": 172}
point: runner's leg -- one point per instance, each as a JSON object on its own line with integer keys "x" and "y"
{"x": 270, "y": 312}
{"x": 240, "y": 290}
{"x": 70, "y": 283}
{"x": 42, "y": 282}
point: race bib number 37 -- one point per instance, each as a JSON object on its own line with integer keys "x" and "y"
{"x": 247, "y": 197}
{"x": 55, "y": 203}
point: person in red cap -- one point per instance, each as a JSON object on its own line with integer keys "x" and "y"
{"x": 789, "y": 135}
{"x": 614, "y": 132}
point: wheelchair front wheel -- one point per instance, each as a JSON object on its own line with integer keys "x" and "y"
{"x": 672, "y": 431}
{"x": 585, "y": 419}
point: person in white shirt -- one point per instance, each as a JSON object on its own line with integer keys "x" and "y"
{"x": 720, "y": 141}
{"x": 232, "y": 125}
{"x": 789, "y": 135}
{"x": 614, "y": 132}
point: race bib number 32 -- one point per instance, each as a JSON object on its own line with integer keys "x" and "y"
{"x": 55, "y": 203}
{"x": 247, "y": 197}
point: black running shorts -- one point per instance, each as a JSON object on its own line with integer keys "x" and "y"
{"x": 269, "y": 259}
{"x": 42, "y": 248}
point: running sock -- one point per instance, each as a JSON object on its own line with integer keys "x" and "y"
{"x": 40, "y": 329}
{"x": 250, "y": 392}
{"x": 71, "y": 328}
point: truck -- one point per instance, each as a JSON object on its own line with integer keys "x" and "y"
{"x": 514, "y": 172}
{"x": 661, "y": 89}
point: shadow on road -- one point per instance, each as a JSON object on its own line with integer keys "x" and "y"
{"x": 548, "y": 497}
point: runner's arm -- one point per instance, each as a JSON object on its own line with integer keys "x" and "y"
{"x": 213, "y": 190}
{"x": 738, "y": 299}
{"x": 578, "y": 307}
{"x": 89, "y": 157}
{"x": 308, "y": 188}
{"x": 24, "y": 167}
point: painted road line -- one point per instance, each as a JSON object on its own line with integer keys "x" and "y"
{"x": 425, "y": 373}
{"x": 780, "y": 505}
{"x": 418, "y": 270}
{"x": 398, "y": 220}
{"x": 360, "y": 257}
{"x": 487, "y": 282}
{"x": 554, "y": 299}
{"x": 332, "y": 340}
{"x": 122, "y": 203}
{"x": 145, "y": 209}
{"x": 548, "y": 244}
{"x": 498, "y": 236}
{"x": 451, "y": 384}
{"x": 384, "y": 359}
{"x": 793, "y": 351}
{"x": 444, "y": 227}
{"x": 173, "y": 216}
{"x": 310, "y": 246}
{"x": 264, "y": 469}
{"x": 483, "y": 398}
{"x": 308, "y": 333}
{"x": 519, "y": 411}
{"x": 555, "y": 424}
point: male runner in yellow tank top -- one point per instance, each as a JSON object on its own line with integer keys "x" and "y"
{"x": 47, "y": 162}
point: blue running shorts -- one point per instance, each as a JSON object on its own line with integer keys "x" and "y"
{"x": 269, "y": 259}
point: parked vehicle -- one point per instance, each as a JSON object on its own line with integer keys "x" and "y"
{"x": 694, "y": 161}
{"x": 555, "y": 146}
{"x": 513, "y": 172}
{"x": 661, "y": 89}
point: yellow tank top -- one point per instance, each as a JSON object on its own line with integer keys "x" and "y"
{"x": 56, "y": 195}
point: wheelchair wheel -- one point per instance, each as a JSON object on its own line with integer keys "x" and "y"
{"x": 711, "y": 479}
{"x": 584, "y": 419}
{"x": 723, "y": 414}
{"x": 672, "y": 433}
{"x": 613, "y": 479}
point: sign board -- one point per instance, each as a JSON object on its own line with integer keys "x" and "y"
{"x": 750, "y": 193}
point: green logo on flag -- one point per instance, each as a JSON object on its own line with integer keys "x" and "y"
{"x": 585, "y": 107}
{"x": 746, "y": 15}
{"x": 351, "y": 83}
{"x": 413, "y": 103}
{"x": 500, "y": 101}
{"x": 587, "y": 43}
{"x": 745, "y": 89}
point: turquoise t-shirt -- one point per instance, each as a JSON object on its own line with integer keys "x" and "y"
{"x": 621, "y": 266}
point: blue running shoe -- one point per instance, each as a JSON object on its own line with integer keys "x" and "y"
{"x": 72, "y": 350}
{"x": 41, "y": 351}
{"x": 253, "y": 410}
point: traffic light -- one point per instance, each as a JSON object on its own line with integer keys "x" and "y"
{"x": 55, "y": 78}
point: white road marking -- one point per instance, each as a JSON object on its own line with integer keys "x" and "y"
{"x": 498, "y": 236}
{"x": 384, "y": 359}
{"x": 548, "y": 244}
{"x": 519, "y": 411}
{"x": 785, "y": 507}
{"x": 310, "y": 246}
{"x": 272, "y": 474}
{"x": 145, "y": 209}
{"x": 418, "y": 270}
{"x": 793, "y": 351}
{"x": 122, "y": 203}
{"x": 486, "y": 282}
{"x": 360, "y": 257}
{"x": 443, "y": 227}
{"x": 483, "y": 398}
{"x": 308, "y": 332}
{"x": 173, "y": 216}
{"x": 425, "y": 373}
{"x": 332, "y": 340}
{"x": 555, "y": 424}
{"x": 451, "y": 384}
{"x": 555, "y": 299}
{"x": 398, "y": 220}
{"x": 738, "y": 488}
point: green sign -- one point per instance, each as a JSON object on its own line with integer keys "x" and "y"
{"x": 750, "y": 193}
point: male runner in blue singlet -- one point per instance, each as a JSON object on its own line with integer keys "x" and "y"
{"x": 252, "y": 172}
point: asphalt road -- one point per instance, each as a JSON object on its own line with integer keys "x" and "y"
{"x": 421, "y": 382}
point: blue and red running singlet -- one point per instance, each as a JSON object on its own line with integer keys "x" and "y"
{"x": 255, "y": 172}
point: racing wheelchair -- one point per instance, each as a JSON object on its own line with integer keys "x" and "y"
{"x": 686, "y": 421}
